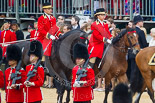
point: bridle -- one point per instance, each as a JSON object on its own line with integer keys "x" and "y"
{"x": 123, "y": 48}
{"x": 130, "y": 43}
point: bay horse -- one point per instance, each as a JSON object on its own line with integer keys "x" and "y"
{"x": 60, "y": 63}
{"x": 147, "y": 71}
{"x": 114, "y": 63}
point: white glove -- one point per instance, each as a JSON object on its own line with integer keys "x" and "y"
{"x": 77, "y": 84}
{"x": 52, "y": 37}
{"x": 109, "y": 41}
{"x": 28, "y": 84}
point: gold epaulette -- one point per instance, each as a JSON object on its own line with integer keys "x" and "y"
{"x": 44, "y": 16}
{"x": 97, "y": 22}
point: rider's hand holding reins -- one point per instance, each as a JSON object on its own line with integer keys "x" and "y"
{"x": 107, "y": 40}
{"x": 51, "y": 37}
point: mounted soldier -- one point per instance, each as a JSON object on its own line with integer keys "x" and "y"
{"x": 99, "y": 37}
{"x": 47, "y": 28}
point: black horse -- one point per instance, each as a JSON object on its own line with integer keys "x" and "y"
{"x": 60, "y": 63}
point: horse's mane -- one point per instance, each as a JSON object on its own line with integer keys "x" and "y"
{"x": 122, "y": 33}
{"x": 69, "y": 33}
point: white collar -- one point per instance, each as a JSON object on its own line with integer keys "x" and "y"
{"x": 48, "y": 15}
{"x": 101, "y": 21}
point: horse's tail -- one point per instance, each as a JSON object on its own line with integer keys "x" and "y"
{"x": 136, "y": 80}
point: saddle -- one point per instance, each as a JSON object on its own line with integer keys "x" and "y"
{"x": 152, "y": 60}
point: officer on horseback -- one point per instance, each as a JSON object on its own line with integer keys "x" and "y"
{"x": 47, "y": 29}
{"x": 99, "y": 37}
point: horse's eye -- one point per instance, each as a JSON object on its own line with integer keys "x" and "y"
{"x": 130, "y": 37}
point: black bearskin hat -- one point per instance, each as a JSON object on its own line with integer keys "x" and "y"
{"x": 80, "y": 51}
{"x": 13, "y": 52}
{"x": 36, "y": 49}
{"x": 122, "y": 94}
{"x": 137, "y": 19}
{"x": 100, "y": 11}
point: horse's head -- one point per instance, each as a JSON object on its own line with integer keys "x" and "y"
{"x": 84, "y": 37}
{"x": 131, "y": 40}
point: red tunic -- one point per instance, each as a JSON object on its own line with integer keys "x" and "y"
{"x": 7, "y": 36}
{"x": 33, "y": 93}
{"x": 34, "y": 34}
{"x": 45, "y": 26}
{"x": 14, "y": 95}
{"x": 83, "y": 93}
{"x": 1, "y": 79}
{"x": 96, "y": 39}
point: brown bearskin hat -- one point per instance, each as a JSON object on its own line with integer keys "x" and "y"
{"x": 80, "y": 51}
{"x": 36, "y": 49}
{"x": 13, "y": 52}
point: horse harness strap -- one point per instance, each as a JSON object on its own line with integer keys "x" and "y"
{"x": 121, "y": 49}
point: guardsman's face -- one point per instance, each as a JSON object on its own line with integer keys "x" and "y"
{"x": 101, "y": 17}
{"x": 48, "y": 11}
{"x": 33, "y": 58}
{"x": 80, "y": 61}
{"x": 12, "y": 63}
